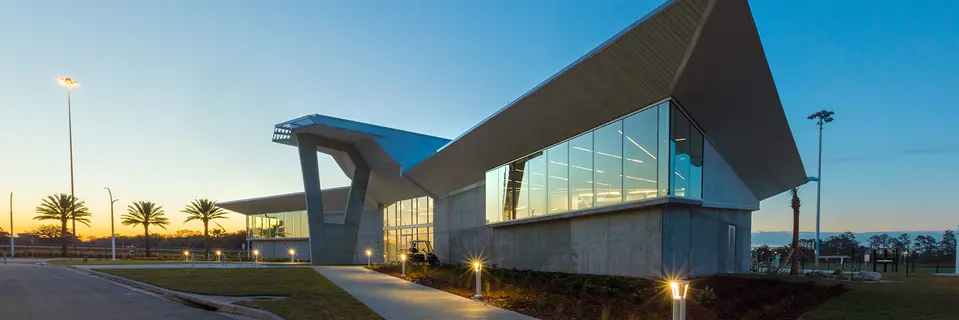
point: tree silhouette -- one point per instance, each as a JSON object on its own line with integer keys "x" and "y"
{"x": 204, "y": 210}
{"x": 63, "y": 207}
{"x": 147, "y": 214}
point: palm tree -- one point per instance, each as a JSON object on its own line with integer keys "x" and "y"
{"x": 795, "y": 203}
{"x": 63, "y": 207}
{"x": 147, "y": 214}
{"x": 204, "y": 210}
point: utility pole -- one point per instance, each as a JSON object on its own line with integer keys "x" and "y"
{"x": 12, "y": 250}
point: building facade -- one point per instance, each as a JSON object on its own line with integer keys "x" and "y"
{"x": 646, "y": 157}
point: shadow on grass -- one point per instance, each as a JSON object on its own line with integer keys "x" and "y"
{"x": 311, "y": 295}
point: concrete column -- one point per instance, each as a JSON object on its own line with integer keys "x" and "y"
{"x": 357, "y": 198}
{"x": 306, "y": 144}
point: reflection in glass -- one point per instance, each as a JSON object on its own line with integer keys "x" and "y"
{"x": 536, "y": 176}
{"x": 558, "y": 178}
{"x": 608, "y": 163}
{"x": 640, "y": 155}
{"x": 516, "y": 205}
{"x": 422, "y": 210}
{"x": 581, "y": 171}
{"x": 494, "y": 194}
{"x": 663, "y": 143}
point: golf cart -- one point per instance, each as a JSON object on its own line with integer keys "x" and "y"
{"x": 421, "y": 251}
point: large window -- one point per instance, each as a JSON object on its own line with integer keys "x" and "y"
{"x": 278, "y": 225}
{"x": 405, "y": 223}
{"x": 654, "y": 152}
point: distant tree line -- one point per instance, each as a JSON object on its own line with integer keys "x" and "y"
{"x": 925, "y": 249}
{"x": 65, "y": 208}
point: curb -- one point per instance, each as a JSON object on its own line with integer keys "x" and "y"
{"x": 184, "y": 298}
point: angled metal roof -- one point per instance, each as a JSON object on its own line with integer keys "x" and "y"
{"x": 704, "y": 53}
{"x": 388, "y": 152}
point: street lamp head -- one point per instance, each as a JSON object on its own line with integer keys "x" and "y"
{"x": 186, "y": 253}
{"x": 218, "y": 252}
{"x": 256, "y": 252}
{"x": 403, "y": 257}
{"x": 68, "y": 82}
{"x": 292, "y": 252}
{"x": 369, "y": 252}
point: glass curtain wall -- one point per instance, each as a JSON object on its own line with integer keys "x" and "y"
{"x": 654, "y": 152}
{"x": 278, "y": 225}
{"x": 406, "y": 221}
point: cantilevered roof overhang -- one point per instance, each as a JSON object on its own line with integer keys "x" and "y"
{"x": 334, "y": 201}
{"x": 387, "y": 151}
{"x": 706, "y": 54}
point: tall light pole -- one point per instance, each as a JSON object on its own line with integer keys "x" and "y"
{"x": 70, "y": 83}
{"x": 11, "y": 226}
{"x": 113, "y": 235}
{"x": 822, "y": 117}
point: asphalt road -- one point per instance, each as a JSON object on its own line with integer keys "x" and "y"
{"x": 48, "y": 292}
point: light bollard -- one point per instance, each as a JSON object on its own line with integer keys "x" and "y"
{"x": 292, "y": 255}
{"x": 208, "y": 262}
{"x": 239, "y": 260}
{"x": 369, "y": 257}
{"x": 679, "y": 288}
{"x": 256, "y": 256}
{"x": 193, "y": 260}
{"x": 403, "y": 263}
{"x": 477, "y": 268}
{"x": 186, "y": 256}
{"x": 219, "y": 257}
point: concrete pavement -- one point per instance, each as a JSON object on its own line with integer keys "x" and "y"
{"x": 394, "y": 298}
{"x": 29, "y": 291}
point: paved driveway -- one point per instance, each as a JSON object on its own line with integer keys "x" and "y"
{"x": 47, "y": 292}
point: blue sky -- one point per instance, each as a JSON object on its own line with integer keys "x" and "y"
{"x": 178, "y": 98}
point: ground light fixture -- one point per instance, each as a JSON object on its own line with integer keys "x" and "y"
{"x": 292, "y": 255}
{"x": 478, "y": 270}
{"x": 369, "y": 256}
{"x": 403, "y": 264}
{"x": 678, "y": 289}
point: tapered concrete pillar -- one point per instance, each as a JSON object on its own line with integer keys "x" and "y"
{"x": 309, "y": 166}
{"x": 354, "y": 206}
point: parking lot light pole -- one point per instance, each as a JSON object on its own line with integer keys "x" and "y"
{"x": 113, "y": 235}
{"x": 12, "y": 254}
{"x": 822, "y": 117}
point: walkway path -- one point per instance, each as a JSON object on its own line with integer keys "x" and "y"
{"x": 394, "y": 298}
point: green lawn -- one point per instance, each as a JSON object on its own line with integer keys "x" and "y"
{"x": 922, "y": 296}
{"x": 65, "y": 262}
{"x": 311, "y": 295}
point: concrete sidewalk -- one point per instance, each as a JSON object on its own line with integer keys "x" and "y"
{"x": 394, "y": 298}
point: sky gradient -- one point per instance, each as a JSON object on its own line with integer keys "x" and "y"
{"x": 177, "y": 99}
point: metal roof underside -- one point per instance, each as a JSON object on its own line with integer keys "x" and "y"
{"x": 705, "y": 53}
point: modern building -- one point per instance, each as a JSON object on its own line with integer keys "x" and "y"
{"x": 646, "y": 157}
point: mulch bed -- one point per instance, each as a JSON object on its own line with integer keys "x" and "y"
{"x": 552, "y": 295}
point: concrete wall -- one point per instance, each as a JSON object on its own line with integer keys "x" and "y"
{"x": 695, "y": 240}
{"x": 655, "y": 241}
{"x": 615, "y": 243}
{"x": 459, "y": 227}
{"x": 279, "y": 248}
{"x": 722, "y": 187}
